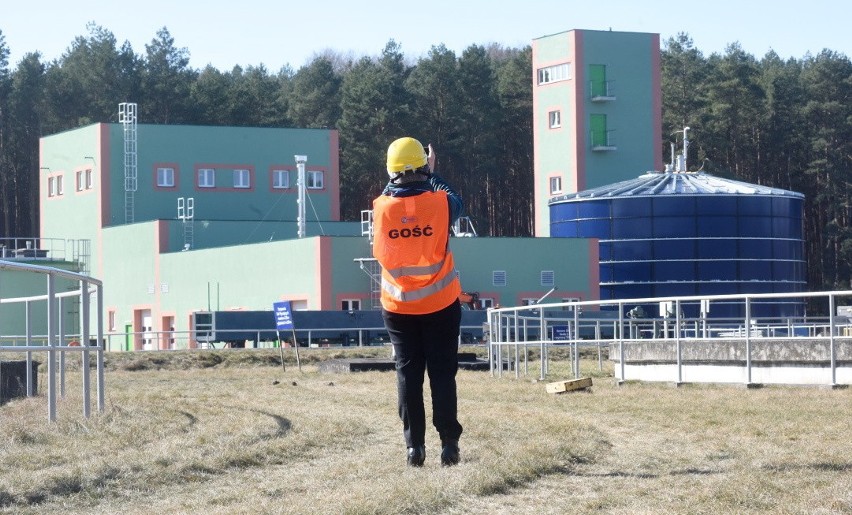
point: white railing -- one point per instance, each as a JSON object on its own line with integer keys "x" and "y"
{"x": 54, "y": 341}
{"x": 316, "y": 337}
{"x": 555, "y": 325}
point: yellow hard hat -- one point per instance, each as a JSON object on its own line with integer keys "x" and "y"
{"x": 405, "y": 154}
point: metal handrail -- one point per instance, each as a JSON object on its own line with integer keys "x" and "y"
{"x": 55, "y": 337}
{"x": 676, "y": 328}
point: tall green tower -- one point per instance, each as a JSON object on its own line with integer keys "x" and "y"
{"x": 596, "y": 112}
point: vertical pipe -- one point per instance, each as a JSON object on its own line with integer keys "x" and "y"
{"x": 61, "y": 341}
{"x": 576, "y": 342}
{"x": 84, "y": 345}
{"x": 491, "y": 325}
{"x": 526, "y": 349}
{"x": 748, "y": 339}
{"x": 29, "y": 341}
{"x": 677, "y": 342}
{"x": 621, "y": 356}
{"x": 100, "y": 351}
{"x": 517, "y": 359}
{"x": 51, "y": 352}
{"x": 542, "y": 331}
{"x": 832, "y": 347}
{"x": 300, "y": 187}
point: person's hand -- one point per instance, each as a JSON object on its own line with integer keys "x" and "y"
{"x": 430, "y": 158}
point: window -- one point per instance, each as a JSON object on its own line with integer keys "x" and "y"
{"x": 89, "y": 182}
{"x": 528, "y": 301}
{"x": 350, "y": 304}
{"x": 111, "y": 320}
{"x": 498, "y": 278}
{"x": 486, "y": 302}
{"x": 242, "y": 179}
{"x": 555, "y": 185}
{"x": 569, "y": 299}
{"x": 554, "y": 73}
{"x": 206, "y": 178}
{"x": 555, "y": 119}
{"x": 166, "y": 177}
{"x": 280, "y": 179}
{"x": 79, "y": 182}
{"x": 547, "y": 278}
{"x": 315, "y": 180}
{"x": 59, "y": 188}
{"x": 51, "y": 186}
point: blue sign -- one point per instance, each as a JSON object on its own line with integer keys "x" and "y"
{"x": 283, "y": 315}
{"x": 560, "y": 332}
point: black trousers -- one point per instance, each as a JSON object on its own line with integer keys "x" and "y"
{"x": 426, "y": 343}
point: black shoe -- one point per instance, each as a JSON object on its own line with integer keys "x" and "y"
{"x": 416, "y": 456}
{"x": 450, "y": 453}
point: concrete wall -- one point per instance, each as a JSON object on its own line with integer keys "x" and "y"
{"x": 773, "y": 361}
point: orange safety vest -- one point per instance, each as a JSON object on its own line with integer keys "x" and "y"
{"x": 411, "y": 242}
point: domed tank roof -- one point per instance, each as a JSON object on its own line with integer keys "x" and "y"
{"x": 675, "y": 183}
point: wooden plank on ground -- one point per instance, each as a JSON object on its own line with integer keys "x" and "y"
{"x": 569, "y": 385}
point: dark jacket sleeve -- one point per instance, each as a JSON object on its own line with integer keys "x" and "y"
{"x": 454, "y": 199}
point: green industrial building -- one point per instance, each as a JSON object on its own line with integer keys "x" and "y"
{"x": 178, "y": 220}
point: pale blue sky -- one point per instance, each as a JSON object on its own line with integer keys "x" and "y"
{"x": 276, "y": 32}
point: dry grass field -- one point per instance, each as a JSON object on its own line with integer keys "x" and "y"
{"x": 224, "y": 432}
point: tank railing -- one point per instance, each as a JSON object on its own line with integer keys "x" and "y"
{"x": 546, "y": 325}
{"x": 55, "y": 343}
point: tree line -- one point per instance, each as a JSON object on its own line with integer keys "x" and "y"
{"x": 781, "y": 123}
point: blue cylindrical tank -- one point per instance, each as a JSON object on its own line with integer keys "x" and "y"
{"x": 690, "y": 233}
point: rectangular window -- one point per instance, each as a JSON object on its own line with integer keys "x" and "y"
{"x": 555, "y": 73}
{"x": 59, "y": 187}
{"x": 79, "y": 180}
{"x": 555, "y": 185}
{"x": 166, "y": 177}
{"x": 569, "y": 299}
{"x": 486, "y": 302}
{"x": 111, "y": 320}
{"x": 89, "y": 182}
{"x": 280, "y": 179}
{"x": 206, "y": 178}
{"x": 350, "y": 304}
{"x": 314, "y": 179}
{"x": 555, "y": 119}
{"x": 498, "y": 278}
{"x": 51, "y": 186}
{"x": 548, "y": 278}
{"x": 242, "y": 179}
{"x": 528, "y": 301}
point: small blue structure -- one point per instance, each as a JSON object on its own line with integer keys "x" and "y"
{"x": 690, "y": 233}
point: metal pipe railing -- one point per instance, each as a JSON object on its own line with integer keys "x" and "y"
{"x": 676, "y": 329}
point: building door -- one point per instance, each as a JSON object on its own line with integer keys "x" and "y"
{"x": 597, "y": 124}
{"x": 597, "y": 80}
{"x": 148, "y": 342}
{"x": 128, "y": 337}
{"x": 168, "y": 329}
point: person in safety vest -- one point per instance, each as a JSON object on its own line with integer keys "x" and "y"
{"x": 420, "y": 293}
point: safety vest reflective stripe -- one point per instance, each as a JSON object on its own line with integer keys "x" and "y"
{"x": 396, "y": 273}
{"x": 420, "y": 293}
